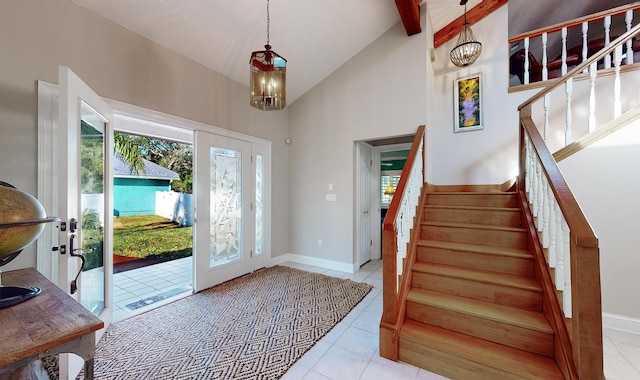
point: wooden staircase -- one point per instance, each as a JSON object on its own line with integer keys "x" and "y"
{"x": 474, "y": 309}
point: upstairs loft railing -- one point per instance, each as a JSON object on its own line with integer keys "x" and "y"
{"x": 598, "y": 101}
{"x": 551, "y": 52}
{"x": 570, "y": 246}
{"x": 398, "y": 246}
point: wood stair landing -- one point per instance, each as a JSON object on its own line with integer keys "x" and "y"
{"x": 474, "y": 310}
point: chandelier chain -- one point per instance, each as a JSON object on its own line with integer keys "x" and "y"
{"x": 268, "y": 21}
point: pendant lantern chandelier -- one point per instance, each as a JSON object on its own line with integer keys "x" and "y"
{"x": 467, "y": 48}
{"x": 268, "y": 77}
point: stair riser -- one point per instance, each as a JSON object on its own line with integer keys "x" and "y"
{"x": 513, "y": 336}
{"x": 481, "y": 200}
{"x": 496, "y": 293}
{"x": 448, "y": 365}
{"x": 475, "y": 260}
{"x": 508, "y": 218}
{"x": 500, "y": 238}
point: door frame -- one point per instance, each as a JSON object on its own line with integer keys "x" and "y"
{"x": 140, "y": 120}
{"x": 376, "y": 234}
{"x": 145, "y": 121}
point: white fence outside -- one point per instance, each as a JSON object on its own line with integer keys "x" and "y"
{"x": 171, "y": 205}
{"x": 175, "y": 206}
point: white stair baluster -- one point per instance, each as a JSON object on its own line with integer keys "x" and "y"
{"x": 568, "y": 91}
{"x": 617, "y": 103}
{"x": 542, "y": 195}
{"x": 528, "y": 166}
{"x": 526, "y": 60}
{"x": 559, "y": 272}
{"x": 593, "y": 72}
{"x": 629, "y": 19}
{"x": 534, "y": 189}
{"x": 585, "y": 42}
{"x": 545, "y": 71}
{"x": 607, "y": 40}
{"x": 546, "y": 213}
{"x": 564, "y": 50}
{"x": 546, "y": 105}
{"x": 566, "y": 292}
{"x": 553, "y": 232}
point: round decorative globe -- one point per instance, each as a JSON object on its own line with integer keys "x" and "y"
{"x": 22, "y": 219}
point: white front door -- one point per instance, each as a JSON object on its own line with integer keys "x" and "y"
{"x": 85, "y": 143}
{"x": 229, "y": 239}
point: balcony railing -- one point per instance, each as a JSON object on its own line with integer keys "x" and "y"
{"x": 551, "y": 52}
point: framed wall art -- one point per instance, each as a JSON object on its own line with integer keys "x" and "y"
{"x": 467, "y": 97}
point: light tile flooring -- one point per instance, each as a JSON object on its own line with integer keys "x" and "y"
{"x": 139, "y": 290}
{"x": 350, "y": 349}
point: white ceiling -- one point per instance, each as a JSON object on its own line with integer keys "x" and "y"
{"x": 316, "y": 37}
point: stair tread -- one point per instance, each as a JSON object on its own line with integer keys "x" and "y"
{"x": 511, "y": 360}
{"x": 462, "y": 207}
{"x": 521, "y": 282}
{"x": 472, "y": 225}
{"x": 487, "y": 249}
{"x": 472, "y": 193}
{"x": 499, "y": 313}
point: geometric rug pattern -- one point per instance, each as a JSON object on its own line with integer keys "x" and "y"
{"x": 252, "y": 327}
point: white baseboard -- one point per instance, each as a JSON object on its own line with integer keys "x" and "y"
{"x": 323, "y": 263}
{"x": 621, "y": 322}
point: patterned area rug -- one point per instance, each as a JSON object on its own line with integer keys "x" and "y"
{"x": 253, "y": 327}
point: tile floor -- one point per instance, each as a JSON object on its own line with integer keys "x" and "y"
{"x": 139, "y": 290}
{"x": 350, "y": 349}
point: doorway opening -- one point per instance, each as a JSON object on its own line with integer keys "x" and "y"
{"x": 152, "y": 221}
{"x": 371, "y": 202}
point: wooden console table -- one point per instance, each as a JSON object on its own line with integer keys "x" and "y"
{"x": 48, "y": 324}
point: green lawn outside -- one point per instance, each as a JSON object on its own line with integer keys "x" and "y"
{"x": 146, "y": 236}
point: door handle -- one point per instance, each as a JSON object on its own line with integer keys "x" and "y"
{"x": 72, "y": 252}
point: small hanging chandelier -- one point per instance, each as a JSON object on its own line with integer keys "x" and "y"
{"x": 467, "y": 48}
{"x": 268, "y": 77}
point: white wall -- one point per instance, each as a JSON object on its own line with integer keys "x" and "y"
{"x": 379, "y": 93}
{"x": 487, "y": 156}
{"x": 605, "y": 179}
{"x": 37, "y": 36}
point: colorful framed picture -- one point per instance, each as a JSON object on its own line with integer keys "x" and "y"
{"x": 467, "y": 97}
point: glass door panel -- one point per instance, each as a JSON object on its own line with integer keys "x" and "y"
{"x": 259, "y": 204}
{"x": 92, "y": 205}
{"x": 225, "y": 192}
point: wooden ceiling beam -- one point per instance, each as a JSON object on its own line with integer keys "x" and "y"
{"x": 410, "y": 15}
{"x": 474, "y": 15}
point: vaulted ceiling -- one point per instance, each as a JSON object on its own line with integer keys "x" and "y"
{"x": 316, "y": 37}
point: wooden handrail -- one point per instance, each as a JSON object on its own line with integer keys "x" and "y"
{"x": 392, "y": 310}
{"x": 581, "y": 67}
{"x": 390, "y": 217}
{"x": 586, "y": 322}
{"x": 575, "y": 22}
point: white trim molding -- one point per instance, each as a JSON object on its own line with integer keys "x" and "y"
{"x": 621, "y": 322}
{"x": 323, "y": 263}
